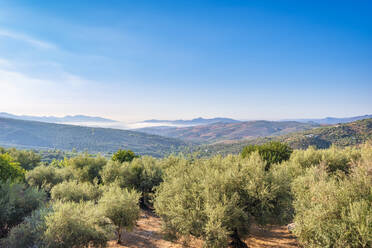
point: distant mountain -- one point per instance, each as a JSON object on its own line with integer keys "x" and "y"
{"x": 53, "y": 119}
{"x": 42, "y": 135}
{"x": 196, "y": 121}
{"x": 342, "y": 135}
{"x": 334, "y": 120}
{"x": 229, "y": 131}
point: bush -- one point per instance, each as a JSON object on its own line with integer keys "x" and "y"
{"x": 86, "y": 168}
{"x": 335, "y": 211}
{"x": 272, "y": 152}
{"x": 46, "y": 177}
{"x": 29, "y": 233}
{"x": 217, "y": 199}
{"x": 333, "y": 159}
{"x": 124, "y": 156}
{"x": 75, "y": 191}
{"x": 26, "y": 159}
{"x": 16, "y": 202}
{"x": 10, "y": 170}
{"x": 121, "y": 207}
{"x": 142, "y": 174}
{"x": 75, "y": 225}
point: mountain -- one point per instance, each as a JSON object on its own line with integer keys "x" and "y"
{"x": 53, "y": 119}
{"x": 42, "y": 135}
{"x": 229, "y": 131}
{"x": 196, "y": 121}
{"x": 334, "y": 120}
{"x": 342, "y": 135}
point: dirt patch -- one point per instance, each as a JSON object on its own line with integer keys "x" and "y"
{"x": 148, "y": 233}
{"x": 270, "y": 237}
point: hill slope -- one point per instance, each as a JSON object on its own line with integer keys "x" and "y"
{"x": 230, "y": 131}
{"x": 342, "y": 135}
{"x": 53, "y": 119}
{"x": 41, "y": 135}
{"x": 193, "y": 122}
{"x": 334, "y": 120}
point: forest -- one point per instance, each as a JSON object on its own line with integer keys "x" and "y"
{"x": 87, "y": 200}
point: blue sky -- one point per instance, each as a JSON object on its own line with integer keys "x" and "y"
{"x": 135, "y": 60}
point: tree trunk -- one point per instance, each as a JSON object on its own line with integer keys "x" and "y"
{"x": 119, "y": 235}
{"x": 236, "y": 242}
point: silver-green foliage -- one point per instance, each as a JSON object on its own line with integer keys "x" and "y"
{"x": 16, "y": 202}
{"x": 335, "y": 210}
{"x": 29, "y": 233}
{"x": 141, "y": 174}
{"x": 75, "y": 191}
{"x": 218, "y": 198}
{"x": 85, "y": 167}
{"x": 121, "y": 207}
{"x": 75, "y": 225}
{"x": 46, "y": 177}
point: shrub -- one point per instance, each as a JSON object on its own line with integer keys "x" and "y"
{"x": 16, "y": 202}
{"x": 10, "y": 170}
{"x": 46, "y": 177}
{"x": 333, "y": 159}
{"x": 75, "y": 191}
{"x": 217, "y": 199}
{"x": 86, "y": 168}
{"x": 272, "y": 152}
{"x": 75, "y": 225}
{"x": 121, "y": 207}
{"x": 335, "y": 211}
{"x": 124, "y": 156}
{"x": 29, "y": 233}
{"x": 142, "y": 174}
{"x": 26, "y": 159}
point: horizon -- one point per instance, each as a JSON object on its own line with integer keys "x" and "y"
{"x": 134, "y": 61}
{"x": 170, "y": 120}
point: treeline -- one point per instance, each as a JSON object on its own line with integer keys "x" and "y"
{"x": 87, "y": 200}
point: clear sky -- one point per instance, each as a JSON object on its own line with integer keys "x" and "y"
{"x": 135, "y": 60}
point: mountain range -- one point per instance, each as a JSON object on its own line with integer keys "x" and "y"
{"x": 214, "y": 138}
{"x": 222, "y": 131}
{"x": 43, "y": 135}
{"x": 54, "y": 119}
{"x": 193, "y": 122}
{"x": 341, "y": 135}
{"x": 333, "y": 120}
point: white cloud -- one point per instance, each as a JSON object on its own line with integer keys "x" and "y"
{"x": 27, "y": 39}
{"x": 21, "y": 91}
{"x": 5, "y": 63}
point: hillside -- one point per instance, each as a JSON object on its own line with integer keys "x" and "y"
{"x": 230, "y": 131}
{"x": 341, "y": 135}
{"x": 41, "y": 135}
{"x": 193, "y": 122}
{"x": 54, "y": 119}
{"x": 335, "y": 120}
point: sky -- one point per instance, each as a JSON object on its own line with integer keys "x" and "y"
{"x": 137, "y": 60}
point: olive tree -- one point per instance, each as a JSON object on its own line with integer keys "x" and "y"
{"x": 75, "y": 191}
{"x": 46, "y": 177}
{"x": 16, "y": 202}
{"x": 121, "y": 207}
{"x": 142, "y": 174}
{"x": 217, "y": 198}
{"x": 73, "y": 224}
{"x": 85, "y": 167}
